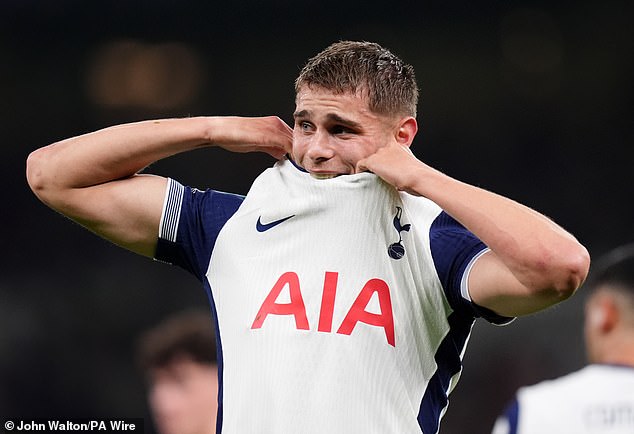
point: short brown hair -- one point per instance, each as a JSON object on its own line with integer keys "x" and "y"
{"x": 351, "y": 67}
{"x": 189, "y": 333}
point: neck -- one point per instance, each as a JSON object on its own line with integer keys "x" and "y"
{"x": 618, "y": 355}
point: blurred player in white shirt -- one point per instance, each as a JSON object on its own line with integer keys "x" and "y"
{"x": 599, "y": 398}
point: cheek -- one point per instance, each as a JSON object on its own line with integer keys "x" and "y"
{"x": 358, "y": 151}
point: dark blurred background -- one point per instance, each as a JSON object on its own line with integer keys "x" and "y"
{"x": 531, "y": 99}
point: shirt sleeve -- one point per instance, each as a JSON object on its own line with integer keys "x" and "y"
{"x": 190, "y": 223}
{"x": 507, "y": 422}
{"x": 454, "y": 250}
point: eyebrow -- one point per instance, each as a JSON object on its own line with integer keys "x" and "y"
{"x": 301, "y": 114}
{"x": 332, "y": 117}
{"x": 338, "y": 119}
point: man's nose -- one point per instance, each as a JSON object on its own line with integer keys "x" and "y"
{"x": 320, "y": 147}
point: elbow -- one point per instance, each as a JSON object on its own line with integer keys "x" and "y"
{"x": 38, "y": 174}
{"x": 563, "y": 272}
{"x": 34, "y": 171}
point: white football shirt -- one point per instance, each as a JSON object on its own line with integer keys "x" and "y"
{"x": 598, "y": 399}
{"x": 341, "y": 305}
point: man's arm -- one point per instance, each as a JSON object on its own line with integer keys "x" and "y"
{"x": 94, "y": 179}
{"x": 533, "y": 262}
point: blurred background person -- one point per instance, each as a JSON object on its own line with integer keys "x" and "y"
{"x": 178, "y": 359}
{"x": 600, "y": 397}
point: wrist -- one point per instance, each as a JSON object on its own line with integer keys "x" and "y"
{"x": 212, "y": 126}
{"x": 424, "y": 180}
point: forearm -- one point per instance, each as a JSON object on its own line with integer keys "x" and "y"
{"x": 539, "y": 253}
{"x": 113, "y": 153}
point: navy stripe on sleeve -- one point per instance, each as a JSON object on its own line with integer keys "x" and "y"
{"x": 198, "y": 217}
{"x": 171, "y": 213}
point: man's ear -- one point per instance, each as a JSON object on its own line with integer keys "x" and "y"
{"x": 406, "y": 131}
{"x": 604, "y": 314}
{"x": 596, "y": 316}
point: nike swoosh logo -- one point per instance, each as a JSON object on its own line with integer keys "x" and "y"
{"x": 262, "y": 227}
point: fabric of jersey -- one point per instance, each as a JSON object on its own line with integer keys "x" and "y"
{"x": 334, "y": 258}
{"x": 598, "y": 399}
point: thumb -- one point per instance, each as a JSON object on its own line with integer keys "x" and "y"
{"x": 362, "y": 166}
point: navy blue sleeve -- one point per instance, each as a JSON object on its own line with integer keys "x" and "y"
{"x": 512, "y": 415}
{"x": 453, "y": 248}
{"x": 191, "y": 222}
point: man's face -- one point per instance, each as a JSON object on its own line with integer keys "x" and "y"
{"x": 183, "y": 397}
{"x": 332, "y": 132}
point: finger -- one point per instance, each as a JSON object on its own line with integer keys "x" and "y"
{"x": 362, "y": 166}
{"x": 287, "y": 145}
{"x": 283, "y": 139}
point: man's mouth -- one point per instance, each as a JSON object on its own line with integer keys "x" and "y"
{"x": 318, "y": 175}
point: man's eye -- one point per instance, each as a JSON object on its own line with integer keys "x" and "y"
{"x": 340, "y": 129}
{"x": 305, "y": 126}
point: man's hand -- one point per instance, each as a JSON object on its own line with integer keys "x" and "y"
{"x": 240, "y": 134}
{"x": 396, "y": 164}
